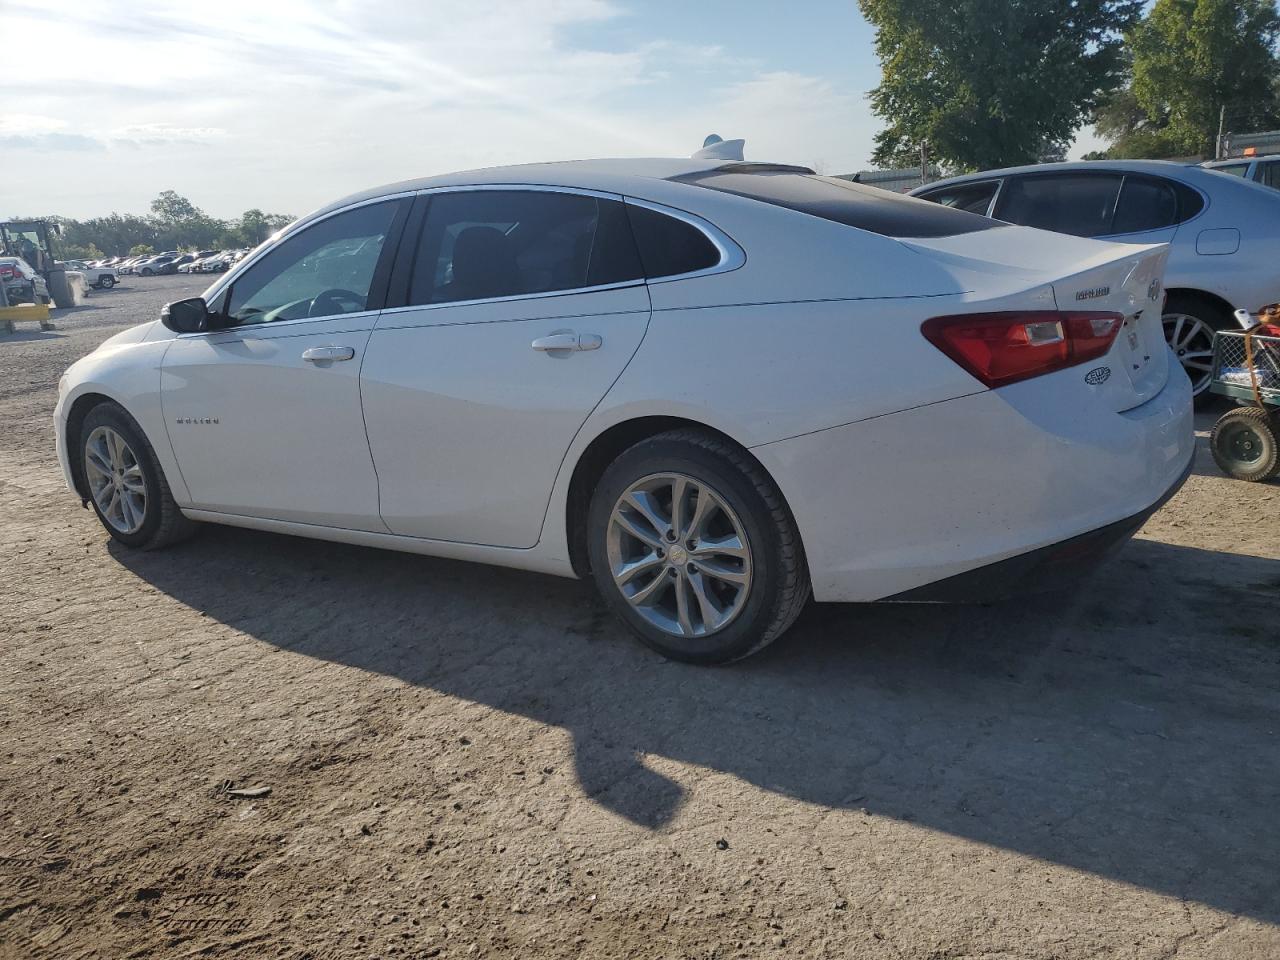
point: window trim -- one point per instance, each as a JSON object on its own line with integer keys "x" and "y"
{"x": 732, "y": 255}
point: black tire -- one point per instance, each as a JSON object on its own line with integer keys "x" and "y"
{"x": 147, "y": 272}
{"x": 163, "y": 522}
{"x": 779, "y": 585}
{"x": 1212, "y": 317}
{"x": 60, "y": 289}
{"x": 106, "y": 282}
{"x": 1245, "y": 445}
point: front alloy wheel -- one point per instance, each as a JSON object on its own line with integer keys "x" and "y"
{"x": 679, "y": 555}
{"x": 116, "y": 481}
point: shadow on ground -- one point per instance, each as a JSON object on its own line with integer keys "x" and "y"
{"x": 1127, "y": 727}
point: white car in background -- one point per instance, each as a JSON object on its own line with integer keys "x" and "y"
{"x": 102, "y": 278}
{"x": 711, "y": 387}
{"x": 1223, "y": 232}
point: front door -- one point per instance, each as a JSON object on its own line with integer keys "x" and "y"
{"x": 525, "y": 307}
{"x": 264, "y": 413}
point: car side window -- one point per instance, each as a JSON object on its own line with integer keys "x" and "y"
{"x": 323, "y": 270}
{"x": 1235, "y": 169}
{"x": 1081, "y": 204}
{"x": 1269, "y": 174}
{"x": 970, "y": 197}
{"x": 1145, "y": 204}
{"x": 668, "y": 245}
{"x": 483, "y": 244}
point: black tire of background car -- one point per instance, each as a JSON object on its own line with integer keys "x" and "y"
{"x": 1213, "y": 316}
{"x": 60, "y": 289}
{"x": 106, "y": 282}
{"x": 163, "y": 523}
{"x": 1262, "y": 428}
{"x": 780, "y": 587}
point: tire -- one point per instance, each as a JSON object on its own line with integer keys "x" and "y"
{"x": 1245, "y": 444}
{"x": 60, "y": 289}
{"x": 147, "y": 272}
{"x": 106, "y": 282}
{"x": 775, "y": 578}
{"x": 1193, "y": 320}
{"x": 159, "y": 522}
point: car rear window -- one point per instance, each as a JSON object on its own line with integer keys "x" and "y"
{"x": 841, "y": 201}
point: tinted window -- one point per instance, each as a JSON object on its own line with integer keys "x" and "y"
{"x": 970, "y": 197}
{"x": 853, "y": 204}
{"x": 1235, "y": 169}
{"x": 1081, "y": 204}
{"x": 508, "y": 243}
{"x": 1269, "y": 173}
{"x": 1145, "y": 204}
{"x": 323, "y": 270}
{"x": 670, "y": 246}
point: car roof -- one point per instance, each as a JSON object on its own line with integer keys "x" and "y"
{"x": 607, "y": 175}
{"x": 1187, "y": 172}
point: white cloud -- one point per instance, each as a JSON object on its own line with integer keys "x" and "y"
{"x": 285, "y": 105}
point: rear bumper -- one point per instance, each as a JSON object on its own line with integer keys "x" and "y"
{"x": 1045, "y": 569}
{"x": 1007, "y": 482}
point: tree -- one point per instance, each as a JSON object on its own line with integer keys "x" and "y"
{"x": 170, "y": 207}
{"x": 990, "y": 83}
{"x": 1191, "y": 59}
{"x": 140, "y": 249}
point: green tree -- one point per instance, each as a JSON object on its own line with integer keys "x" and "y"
{"x": 142, "y": 248}
{"x": 1192, "y": 59}
{"x": 171, "y": 207}
{"x": 990, "y": 83}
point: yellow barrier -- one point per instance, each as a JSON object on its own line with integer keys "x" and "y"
{"x": 35, "y": 313}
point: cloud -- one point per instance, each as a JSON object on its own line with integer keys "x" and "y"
{"x": 152, "y": 134}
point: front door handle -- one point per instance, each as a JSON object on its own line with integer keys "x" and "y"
{"x": 327, "y": 354}
{"x": 568, "y": 341}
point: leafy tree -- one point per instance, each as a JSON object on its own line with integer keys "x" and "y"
{"x": 1192, "y": 58}
{"x": 142, "y": 248}
{"x": 170, "y": 207}
{"x": 990, "y": 83}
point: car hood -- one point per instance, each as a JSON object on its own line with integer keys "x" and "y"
{"x": 136, "y": 334}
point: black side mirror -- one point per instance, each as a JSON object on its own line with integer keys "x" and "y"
{"x": 186, "y": 316}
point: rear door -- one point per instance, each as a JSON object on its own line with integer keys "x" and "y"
{"x": 521, "y": 307}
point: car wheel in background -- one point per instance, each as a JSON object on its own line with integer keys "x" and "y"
{"x": 106, "y": 282}
{"x": 1245, "y": 445}
{"x": 1189, "y": 325}
{"x": 125, "y": 484}
{"x": 692, "y": 546}
{"x": 148, "y": 272}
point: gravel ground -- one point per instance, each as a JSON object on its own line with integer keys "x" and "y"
{"x": 468, "y": 761}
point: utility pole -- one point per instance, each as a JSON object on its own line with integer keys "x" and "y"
{"x": 1222, "y": 116}
{"x": 924, "y": 162}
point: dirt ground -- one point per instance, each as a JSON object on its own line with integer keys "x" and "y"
{"x": 467, "y": 761}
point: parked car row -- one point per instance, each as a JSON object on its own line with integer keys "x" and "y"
{"x": 96, "y": 275}
{"x": 1223, "y": 232}
{"x": 169, "y": 261}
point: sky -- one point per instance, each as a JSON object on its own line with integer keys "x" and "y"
{"x": 285, "y": 105}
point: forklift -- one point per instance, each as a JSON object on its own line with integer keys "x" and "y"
{"x": 32, "y": 241}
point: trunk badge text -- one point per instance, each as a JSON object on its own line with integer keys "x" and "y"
{"x": 197, "y": 420}
{"x": 1093, "y": 294}
{"x": 1097, "y": 375}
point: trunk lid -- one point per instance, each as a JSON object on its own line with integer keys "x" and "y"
{"x": 1084, "y": 275}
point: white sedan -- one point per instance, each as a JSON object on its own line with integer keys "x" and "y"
{"x": 714, "y": 388}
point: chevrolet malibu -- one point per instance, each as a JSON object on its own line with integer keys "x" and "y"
{"x": 715, "y": 389}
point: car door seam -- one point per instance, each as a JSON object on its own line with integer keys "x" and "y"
{"x": 364, "y": 423}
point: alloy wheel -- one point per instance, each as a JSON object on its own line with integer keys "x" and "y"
{"x": 679, "y": 555}
{"x": 116, "y": 481}
{"x": 1192, "y": 341}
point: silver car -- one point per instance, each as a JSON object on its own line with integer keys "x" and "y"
{"x": 1223, "y": 231}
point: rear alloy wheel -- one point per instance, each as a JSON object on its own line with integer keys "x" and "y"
{"x": 106, "y": 283}
{"x": 693, "y": 548}
{"x": 1245, "y": 445}
{"x": 1189, "y": 325}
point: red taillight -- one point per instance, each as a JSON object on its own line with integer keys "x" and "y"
{"x": 1003, "y": 348}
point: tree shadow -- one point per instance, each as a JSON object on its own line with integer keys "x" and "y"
{"x": 1126, "y": 727}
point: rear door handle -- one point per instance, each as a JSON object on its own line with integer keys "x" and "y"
{"x": 568, "y": 341}
{"x": 327, "y": 354}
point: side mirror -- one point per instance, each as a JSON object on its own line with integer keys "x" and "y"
{"x": 186, "y": 316}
